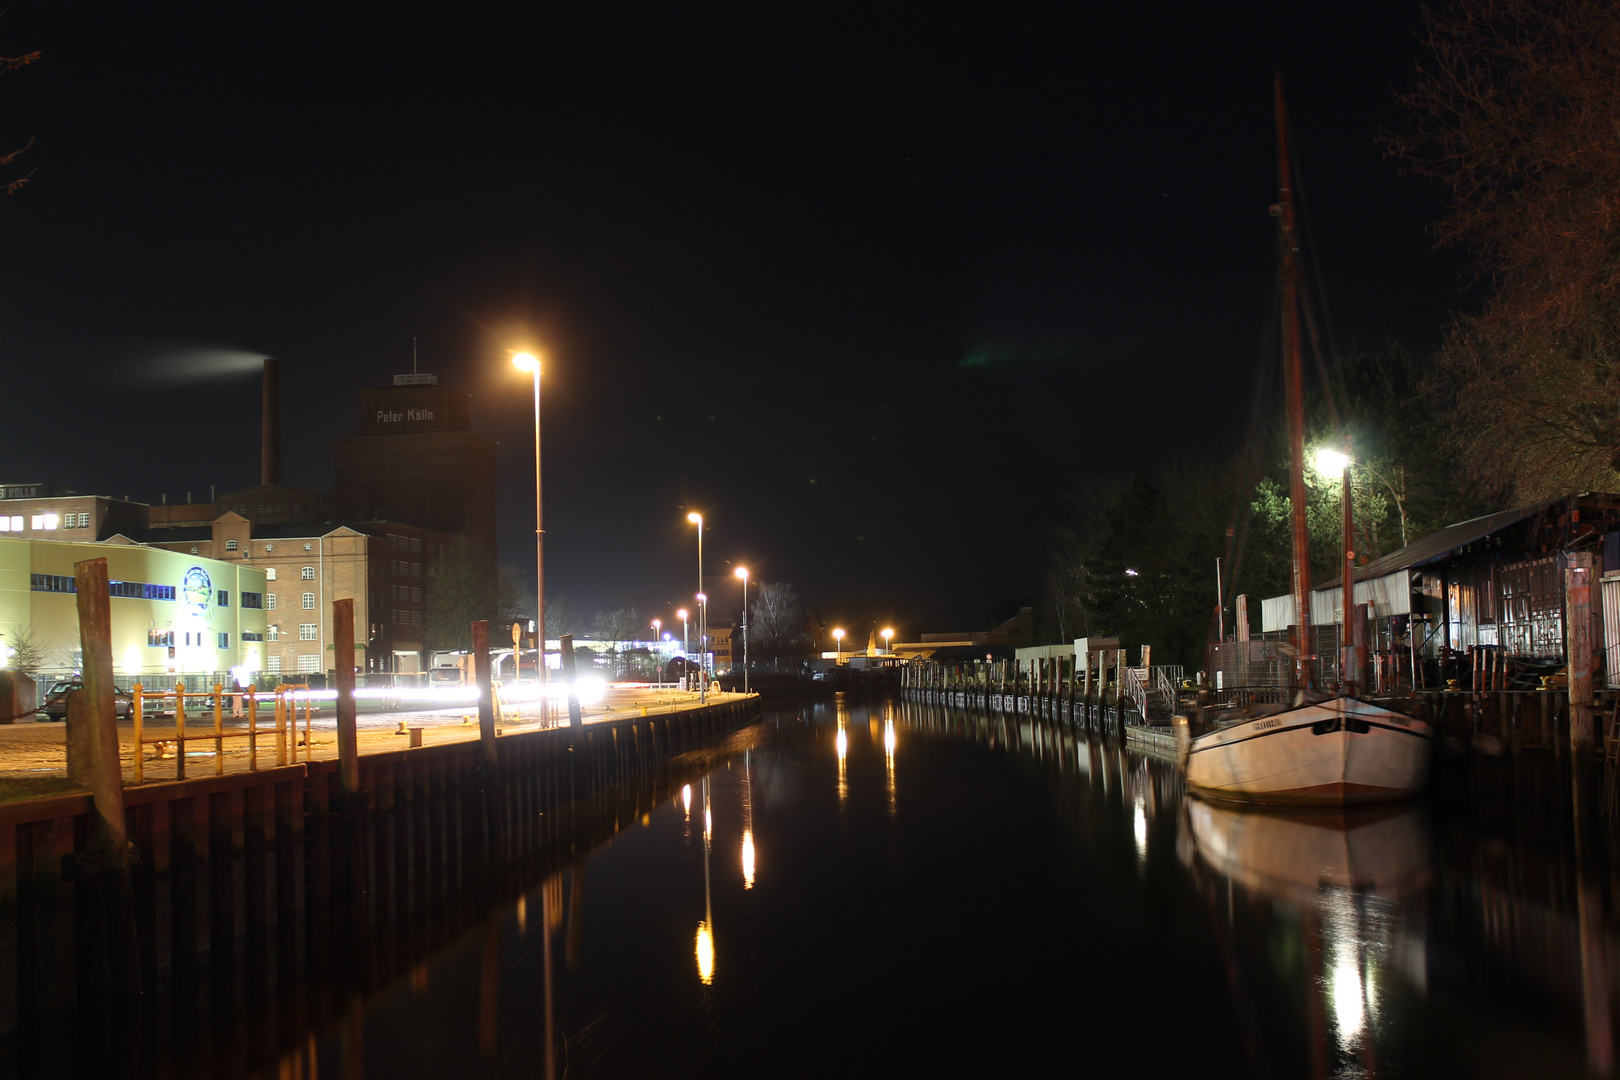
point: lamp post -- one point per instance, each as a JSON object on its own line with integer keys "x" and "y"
{"x": 657, "y": 625}
{"x": 703, "y": 661}
{"x": 686, "y": 650}
{"x": 888, "y": 633}
{"x": 703, "y": 646}
{"x": 838, "y": 658}
{"x": 742, "y": 572}
{"x": 531, "y": 363}
{"x": 1328, "y": 461}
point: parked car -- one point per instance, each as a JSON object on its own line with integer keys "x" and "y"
{"x": 55, "y": 704}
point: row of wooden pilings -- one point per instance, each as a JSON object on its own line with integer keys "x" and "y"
{"x": 239, "y": 881}
{"x": 1049, "y": 687}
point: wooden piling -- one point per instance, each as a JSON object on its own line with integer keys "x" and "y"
{"x": 486, "y": 703}
{"x": 1578, "y": 590}
{"x": 348, "y": 738}
{"x": 106, "y": 771}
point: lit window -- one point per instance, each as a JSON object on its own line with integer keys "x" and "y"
{"x": 5, "y": 522}
{"x": 309, "y": 601}
{"x": 270, "y": 573}
{"x": 275, "y": 632}
{"x": 306, "y": 631}
{"x": 230, "y": 545}
{"x": 270, "y": 601}
{"x": 307, "y": 573}
{"x": 16, "y": 523}
{"x": 46, "y": 521}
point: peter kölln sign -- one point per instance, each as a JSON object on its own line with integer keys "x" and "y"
{"x": 390, "y": 416}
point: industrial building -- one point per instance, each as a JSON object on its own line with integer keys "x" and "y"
{"x": 173, "y": 614}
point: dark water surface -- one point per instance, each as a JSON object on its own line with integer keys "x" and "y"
{"x": 891, "y": 889}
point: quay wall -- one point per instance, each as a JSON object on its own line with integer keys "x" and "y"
{"x": 239, "y": 882}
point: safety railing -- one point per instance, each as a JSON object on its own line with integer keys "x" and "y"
{"x": 286, "y": 700}
{"x": 1134, "y": 682}
{"x": 1167, "y": 681}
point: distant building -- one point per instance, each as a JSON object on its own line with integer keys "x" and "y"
{"x": 173, "y": 614}
{"x": 416, "y": 459}
{"x": 381, "y": 565}
{"x": 49, "y": 512}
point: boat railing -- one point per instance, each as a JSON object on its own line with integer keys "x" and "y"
{"x": 1241, "y": 697}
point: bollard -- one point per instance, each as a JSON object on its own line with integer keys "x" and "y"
{"x": 348, "y": 738}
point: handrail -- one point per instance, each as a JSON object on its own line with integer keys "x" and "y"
{"x": 1135, "y": 685}
{"x": 285, "y": 697}
{"x": 1168, "y": 684}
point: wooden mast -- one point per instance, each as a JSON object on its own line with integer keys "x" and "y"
{"x": 1295, "y": 391}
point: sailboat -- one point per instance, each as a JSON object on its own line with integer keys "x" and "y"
{"x": 1337, "y": 749}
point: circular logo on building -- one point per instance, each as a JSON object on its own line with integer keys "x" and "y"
{"x": 197, "y": 591}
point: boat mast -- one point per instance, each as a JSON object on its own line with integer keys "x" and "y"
{"x": 1295, "y": 391}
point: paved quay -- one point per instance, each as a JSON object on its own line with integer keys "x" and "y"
{"x": 36, "y": 753}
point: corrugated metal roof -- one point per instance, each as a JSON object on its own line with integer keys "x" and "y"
{"x": 1439, "y": 544}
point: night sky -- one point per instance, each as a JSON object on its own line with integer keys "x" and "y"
{"x": 867, "y": 285}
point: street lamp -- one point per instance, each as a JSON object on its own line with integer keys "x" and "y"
{"x": 686, "y": 649}
{"x": 657, "y": 624}
{"x": 529, "y": 362}
{"x": 703, "y": 645}
{"x": 887, "y": 634}
{"x": 703, "y": 612}
{"x": 1330, "y": 463}
{"x": 1349, "y": 653}
{"x": 838, "y": 658}
{"x": 742, "y": 572}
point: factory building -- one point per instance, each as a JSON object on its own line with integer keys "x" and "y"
{"x": 173, "y": 614}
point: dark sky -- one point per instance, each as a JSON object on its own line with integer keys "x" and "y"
{"x": 868, "y": 285}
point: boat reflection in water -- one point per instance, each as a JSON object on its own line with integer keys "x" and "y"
{"x": 1347, "y": 887}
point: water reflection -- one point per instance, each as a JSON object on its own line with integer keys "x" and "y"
{"x": 889, "y": 743}
{"x": 748, "y": 822}
{"x": 705, "y": 931}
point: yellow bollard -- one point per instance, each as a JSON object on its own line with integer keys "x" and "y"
{"x": 135, "y": 717}
{"x": 180, "y": 731}
{"x": 219, "y": 732}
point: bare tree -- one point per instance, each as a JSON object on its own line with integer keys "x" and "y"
{"x": 25, "y": 655}
{"x": 462, "y": 587}
{"x": 775, "y": 622}
{"x": 1518, "y": 118}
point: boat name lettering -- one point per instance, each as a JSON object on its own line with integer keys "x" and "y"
{"x": 1265, "y": 725}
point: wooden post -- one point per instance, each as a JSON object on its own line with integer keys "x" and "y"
{"x": 575, "y": 718}
{"x": 1578, "y": 634}
{"x": 95, "y": 641}
{"x": 348, "y": 738}
{"x": 486, "y": 703}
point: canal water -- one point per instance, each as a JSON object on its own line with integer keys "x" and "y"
{"x": 887, "y": 888}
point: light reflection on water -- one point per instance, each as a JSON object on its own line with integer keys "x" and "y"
{"x": 1056, "y": 872}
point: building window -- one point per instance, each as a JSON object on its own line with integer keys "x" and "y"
{"x": 307, "y": 573}
{"x": 224, "y": 641}
{"x": 416, "y": 594}
{"x": 270, "y": 601}
{"x": 140, "y": 590}
{"x": 309, "y": 601}
{"x": 309, "y": 664}
{"x": 224, "y": 597}
{"x": 44, "y": 521}
{"x": 269, "y": 573}
{"x": 84, "y": 521}
{"x": 275, "y": 631}
{"x": 306, "y": 631}
{"x": 11, "y": 523}
{"x": 249, "y": 635}
{"x": 159, "y": 638}
{"x": 272, "y": 665}
{"x": 307, "y": 547}
{"x": 52, "y": 583}
{"x": 230, "y": 545}
{"x": 253, "y": 600}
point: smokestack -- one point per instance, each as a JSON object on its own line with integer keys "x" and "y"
{"x": 270, "y": 431}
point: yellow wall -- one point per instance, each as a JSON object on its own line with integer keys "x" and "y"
{"x": 53, "y": 620}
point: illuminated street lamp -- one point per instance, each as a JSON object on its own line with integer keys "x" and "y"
{"x": 838, "y": 658}
{"x": 657, "y": 624}
{"x": 742, "y": 572}
{"x": 703, "y": 612}
{"x": 529, "y": 362}
{"x": 1330, "y": 463}
{"x": 686, "y": 647}
{"x": 887, "y": 634}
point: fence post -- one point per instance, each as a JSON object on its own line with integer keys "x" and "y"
{"x": 180, "y": 730}
{"x": 106, "y": 771}
{"x": 219, "y": 731}
{"x": 348, "y": 739}
{"x": 486, "y": 704}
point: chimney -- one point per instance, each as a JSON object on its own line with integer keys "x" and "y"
{"x": 270, "y": 428}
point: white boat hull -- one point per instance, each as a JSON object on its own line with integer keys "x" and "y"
{"x": 1336, "y": 752}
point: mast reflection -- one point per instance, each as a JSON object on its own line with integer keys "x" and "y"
{"x": 704, "y": 946}
{"x": 888, "y": 758}
{"x": 748, "y": 822}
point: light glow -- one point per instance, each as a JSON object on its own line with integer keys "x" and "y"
{"x": 1331, "y": 462}
{"x": 742, "y": 572}
{"x": 705, "y": 953}
{"x": 695, "y": 518}
{"x": 526, "y": 361}
{"x": 686, "y": 800}
{"x": 748, "y": 858}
